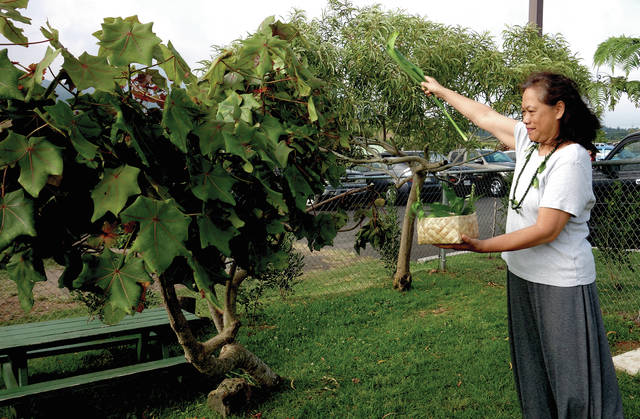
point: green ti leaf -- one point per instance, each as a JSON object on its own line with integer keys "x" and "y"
{"x": 90, "y": 71}
{"x": 25, "y": 271}
{"x": 114, "y": 189}
{"x": 36, "y": 157}
{"x": 177, "y": 117}
{"x": 126, "y": 41}
{"x": 17, "y": 217}
{"x": 536, "y": 182}
{"x": 214, "y": 183}
{"x": 163, "y": 230}
{"x": 9, "y": 76}
{"x": 417, "y": 75}
{"x": 119, "y": 277}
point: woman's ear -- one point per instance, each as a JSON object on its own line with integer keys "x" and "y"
{"x": 559, "y": 108}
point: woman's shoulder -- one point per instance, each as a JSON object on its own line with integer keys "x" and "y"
{"x": 574, "y": 152}
{"x": 572, "y": 155}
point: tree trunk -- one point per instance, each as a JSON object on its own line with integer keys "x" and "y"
{"x": 202, "y": 354}
{"x": 402, "y": 277}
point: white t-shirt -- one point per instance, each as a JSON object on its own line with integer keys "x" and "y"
{"x": 565, "y": 184}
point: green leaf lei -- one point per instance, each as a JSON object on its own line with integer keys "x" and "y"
{"x": 516, "y": 205}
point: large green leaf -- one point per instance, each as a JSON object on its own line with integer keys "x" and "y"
{"x": 7, "y": 28}
{"x": 215, "y": 74}
{"x": 229, "y": 109}
{"x": 90, "y": 71}
{"x": 264, "y": 64}
{"x": 37, "y": 158}
{"x": 300, "y": 188}
{"x": 203, "y": 281}
{"x": 177, "y": 117}
{"x": 273, "y": 128}
{"x": 34, "y": 81}
{"x": 174, "y": 66}
{"x": 9, "y": 76}
{"x": 114, "y": 189}
{"x": 163, "y": 230}
{"x": 211, "y": 235}
{"x": 25, "y": 271}
{"x": 274, "y": 198}
{"x": 126, "y": 41}
{"x": 17, "y": 217}
{"x": 213, "y": 183}
{"x": 63, "y": 118}
{"x": 211, "y": 135}
{"x": 118, "y": 277}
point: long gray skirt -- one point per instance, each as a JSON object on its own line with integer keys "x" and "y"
{"x": 559, "y": 351}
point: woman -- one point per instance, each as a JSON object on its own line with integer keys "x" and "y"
{"x": 559, "y": 350}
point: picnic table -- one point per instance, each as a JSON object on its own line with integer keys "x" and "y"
{"x": 21, "y": 342}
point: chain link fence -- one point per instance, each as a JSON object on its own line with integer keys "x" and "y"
{"x": 615, "y": 226}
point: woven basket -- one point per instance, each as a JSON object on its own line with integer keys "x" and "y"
{"x": 446, "y": 230}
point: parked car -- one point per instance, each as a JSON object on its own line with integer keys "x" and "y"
{"x": 431, "y": 190}
{"x": 371, "y": 181}
{"x": 492, "y": 182}
{"x": 615, "y": 218}
{"x": 511, "y": 154}
{"x": 603, "y": 151}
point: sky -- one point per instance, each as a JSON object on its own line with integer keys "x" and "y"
{"x": 193, "y": 26}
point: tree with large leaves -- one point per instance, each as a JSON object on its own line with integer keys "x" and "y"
{"x": 621, "y": 52}
{"x": 383, "y": 108}
{"x": 151, "y": 172}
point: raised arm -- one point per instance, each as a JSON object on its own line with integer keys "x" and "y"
{"x": 480, "y": 114}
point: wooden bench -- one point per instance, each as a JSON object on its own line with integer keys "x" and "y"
{"x": 19, "y": 394}
{"x": 19, "y": 343}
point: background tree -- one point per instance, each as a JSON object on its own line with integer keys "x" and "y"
{"x": 148, "y": 172}
{"x": 622, "y": 52}
{"x": 383, "y": 108}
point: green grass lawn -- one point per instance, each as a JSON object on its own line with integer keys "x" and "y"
{"x": 348, "y": 345}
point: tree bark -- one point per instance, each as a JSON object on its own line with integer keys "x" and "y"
{"x": 202, "y": 354}
{"x": 402, "y": 277}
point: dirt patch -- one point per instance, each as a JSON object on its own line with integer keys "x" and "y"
{"x": 625, "y": 346}
{"x": 47, "y": 297}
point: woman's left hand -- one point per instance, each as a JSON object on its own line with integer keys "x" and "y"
{"x": 472, "y": 245}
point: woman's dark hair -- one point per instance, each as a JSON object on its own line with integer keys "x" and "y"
{"x": 578, "y": 123}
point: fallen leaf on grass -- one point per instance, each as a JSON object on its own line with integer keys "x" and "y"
{"x": 440, "y": 310}
{"x": 355, "y": 380}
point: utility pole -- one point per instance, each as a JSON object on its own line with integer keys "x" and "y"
{"x": 535, "y": 14}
